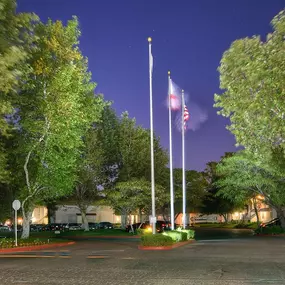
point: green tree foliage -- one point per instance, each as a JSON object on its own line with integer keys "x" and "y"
{"x": 98, "y": 165}
{"x": 246, "y": 174}
{"x": 213, "y": 203}
{"x": 130, "y": 196}
{"x": 252, "y": 75}
{"x": 134, "y": 167}
{"x": 6, "y": 199}
{"x": 134, "y": 144}
{"x": 13, "y": 29}
{"x": 56, "y": 106}
{"x": 196, "y": 186}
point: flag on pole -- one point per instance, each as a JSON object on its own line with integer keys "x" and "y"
{"x": 174, "y": 96}
{"x": 153, "y": 218}
{"x": 186, "y": 116}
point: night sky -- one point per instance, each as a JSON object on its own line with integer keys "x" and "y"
{"x": 189, "y": 38}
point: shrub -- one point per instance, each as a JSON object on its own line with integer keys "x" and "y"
{"x": 156, "y": 240}
{"x": 190, "y": 234}
{"x": 141, "y": 232}
{"x": 176, "y": 236}
{"x": 270, "y": 230}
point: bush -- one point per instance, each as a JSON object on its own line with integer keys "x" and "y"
{"x": 190, "y": 234}
{"x": 176, "y": 236}
{"x": 270, "y": 230}
{"x": 156, "y": 240}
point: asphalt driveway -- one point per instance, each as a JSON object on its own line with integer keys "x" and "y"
{"x": 230, "y": 261}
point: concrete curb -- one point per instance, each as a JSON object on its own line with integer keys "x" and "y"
{"x": 178, "y": 244}
{"x": 35, "y": 247}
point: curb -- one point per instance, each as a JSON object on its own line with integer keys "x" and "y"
{"x": 35, "y": 247}
{"x": 178, "y": 244}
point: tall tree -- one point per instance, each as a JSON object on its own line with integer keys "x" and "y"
{"x": 13, "y": 30}
{"x": 252, "y": 75}
{"x": 56, "y": 106}
{"x": 246, "y": 174}
{"x": 134, "y": 154}
{"x": 196, "y": 191}
{"x": 214, "y": 204}
{"x": 98, "y": 166}
{"x": 134, "y": 195}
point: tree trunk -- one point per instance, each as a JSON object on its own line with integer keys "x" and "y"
{"x": 27, "y": 216}
{"x": 130, "y": 223}
{"x": 51, "y": 209}
{"x": 140, "y": 215}
{"x": 281, "y": 215}
{"x": 85, "y": 224}
{"x": 123, "y": 221}
{"x": 225, "y": 217}
{"x": 256, "y": 212}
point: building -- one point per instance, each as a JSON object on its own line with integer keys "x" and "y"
{"x": 71, "y": 214}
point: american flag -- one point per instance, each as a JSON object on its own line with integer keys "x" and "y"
{"x": 186, "y": 116}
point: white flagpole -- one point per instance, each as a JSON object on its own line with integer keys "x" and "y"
{"x": 170, "y": 155}
{"x": 151, "y": 140}
{"x": 183, "y": 165}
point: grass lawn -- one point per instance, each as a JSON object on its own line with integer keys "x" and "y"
{"x": 52, "y": 235}
{"x": 109, "y": 232}
{"x": 227, "y": 226}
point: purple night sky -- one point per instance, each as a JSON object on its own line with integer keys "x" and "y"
{"x": 189, "y": 38}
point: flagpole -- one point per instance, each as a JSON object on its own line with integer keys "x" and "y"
{"x": 183, "y": 164}
{"x": 170, "y": 155}
{"x": 151, "y": 140}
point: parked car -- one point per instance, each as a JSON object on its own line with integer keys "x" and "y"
{"x": 74, "y": 226}
{"x": 19, "y": 228}
{"x": 93, "y": 226}
{"x": 160, "y": 226}
{"x": 105, "y": 225}
{"x": 135, "y": 227}
{"x": 36, "y": 227}
{"x": 53, "y": 227}
{"x": 5, "y": 229}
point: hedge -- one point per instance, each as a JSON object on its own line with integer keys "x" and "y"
{"x": 270, "y": 230}
{"x": 156, "y": 240}
{"x": 180, "y": 235}
{"x": 176, "y": 236}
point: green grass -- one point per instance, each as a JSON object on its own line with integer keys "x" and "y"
{"x": 215, "y": 225}
{"x": 52, "y": 235}
{"x": 109, "y": 232}
{"x": 228, "y": 225}
{"x": 10, "y": 242}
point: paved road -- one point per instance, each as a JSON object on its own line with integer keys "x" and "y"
{"x": 241, "y": 261}
{"x": 214, "y": 233}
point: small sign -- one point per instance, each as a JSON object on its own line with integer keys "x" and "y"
{"x": 57, "y": 232}
{"x": 16, "y": 205}
{"x": 152, "y": 219}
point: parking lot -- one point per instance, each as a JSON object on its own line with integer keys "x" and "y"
{"x": 231, "y": 261}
